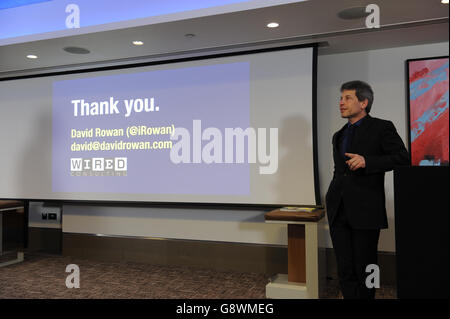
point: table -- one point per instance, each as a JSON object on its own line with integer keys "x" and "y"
{"x": 302, "y": 280}
{"x": 9, "y": 206}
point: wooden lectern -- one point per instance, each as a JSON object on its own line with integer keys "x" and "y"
{"x": 302, "y": 280}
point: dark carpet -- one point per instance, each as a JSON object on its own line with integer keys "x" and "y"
{"x": 43, "y": 276}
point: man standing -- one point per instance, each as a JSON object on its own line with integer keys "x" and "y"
{"x": 363, "y": 150}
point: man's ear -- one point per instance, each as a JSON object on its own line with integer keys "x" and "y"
{"x": 364, "y": 104}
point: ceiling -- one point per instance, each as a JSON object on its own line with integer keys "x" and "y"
{"x": 403, "y": 22}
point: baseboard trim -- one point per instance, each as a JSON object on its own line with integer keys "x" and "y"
{"x": 45, "y": 240}
{"x": 219, "y": 256}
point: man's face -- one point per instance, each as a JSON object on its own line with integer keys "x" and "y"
{"x": 350, "y": 107}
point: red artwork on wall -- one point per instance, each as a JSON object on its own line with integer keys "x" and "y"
{"x": 428, "y": 111}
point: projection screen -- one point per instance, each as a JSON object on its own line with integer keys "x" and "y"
{"x": 232, "y": 129}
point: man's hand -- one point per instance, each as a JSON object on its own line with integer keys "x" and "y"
{"x": 356, "y": 161}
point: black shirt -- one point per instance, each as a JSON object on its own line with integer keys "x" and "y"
{"x": 347, "y": 135}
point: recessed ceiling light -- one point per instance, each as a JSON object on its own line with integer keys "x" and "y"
{"x": 189, "y": 35}
{"x": 32, "y": 56}
{"x": 76, "y": 50}
{"x": 444, "y": 1}
{"x": 137, "y": 42}
{"x": 273, "y": 25}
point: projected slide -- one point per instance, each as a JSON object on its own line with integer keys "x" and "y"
{"x": 234, "y": 129}
{"x": 152, "y": 132}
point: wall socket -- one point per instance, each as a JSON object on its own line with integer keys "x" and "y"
{"x": 49, "y": 216}
{"x": 45, "y": 215}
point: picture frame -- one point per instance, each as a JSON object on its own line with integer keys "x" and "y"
{"x": 428, "y": 111}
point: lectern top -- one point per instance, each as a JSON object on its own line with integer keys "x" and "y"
{"x": 293, "y": 216}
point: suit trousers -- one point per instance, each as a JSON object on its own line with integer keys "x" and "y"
{"x": 355, "y": 249}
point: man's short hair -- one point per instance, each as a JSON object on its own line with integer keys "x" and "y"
{"x": 362, "y": 91}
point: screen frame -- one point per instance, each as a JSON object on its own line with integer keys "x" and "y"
{"x": 236, "y": 206}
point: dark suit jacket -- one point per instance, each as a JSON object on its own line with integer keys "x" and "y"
{"x": 362, "y": 191}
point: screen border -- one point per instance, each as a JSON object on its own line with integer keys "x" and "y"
{"x": 236, "y": 206}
